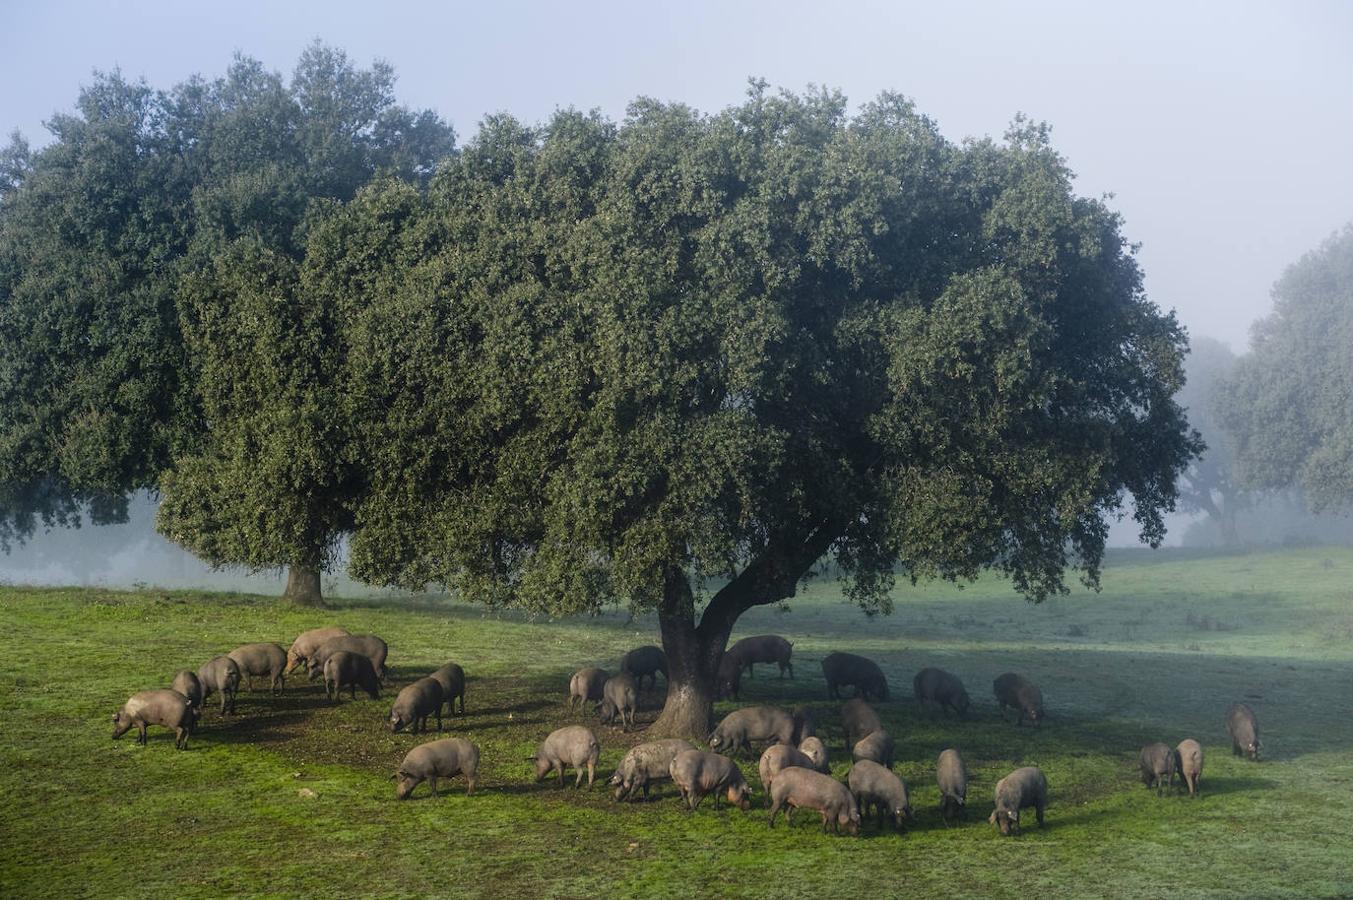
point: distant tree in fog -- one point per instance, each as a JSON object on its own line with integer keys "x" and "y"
{"x": 1209, "y": 485}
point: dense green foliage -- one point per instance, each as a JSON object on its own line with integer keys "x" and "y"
{"x": 1290, "y": 402}
{"x": 1157, "y": 655}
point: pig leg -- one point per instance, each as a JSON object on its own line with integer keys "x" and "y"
{"x": 140, "y": 732}
{"x": 591, "y": 771}
{"x": 432, "y": 783}
{"x": 1039, "y": 810}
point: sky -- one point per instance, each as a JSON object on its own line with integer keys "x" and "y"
{"x": 1223, "y": 130}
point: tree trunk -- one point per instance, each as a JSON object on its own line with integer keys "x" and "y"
{"x": 692, "y": 661}
{"x": 303, "y": 586}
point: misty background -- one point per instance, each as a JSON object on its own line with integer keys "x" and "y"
{"x": 1221, "y": 129}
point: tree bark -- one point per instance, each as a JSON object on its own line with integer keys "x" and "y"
{"x": 692, "y": 662}
{"x": 303, "y": 587}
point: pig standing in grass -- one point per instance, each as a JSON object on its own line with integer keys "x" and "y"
{"x": 1244, "y": 731}
{"x": 268, "y": 660}
{"x": 940, "y": 689}
{"x": 876, "y": 747}
{"x": 797, "y": 788}
{"x": 168, "y": 709}
{"x": 619, "y": 697}
{"x": 764, "y": 648}
{"x": 451, "y": 677}
{"x": 446, "y": 758}
{"x": 876, "y": 786}
{"x": 586, "y": 686}
{"x": 573, "y": 746}
{"x": 414, "y": 704}
{"x": 805, "y": 723}
{"x": 728, "y": 681}
{"x": 858, "y": 720}
{"x": 863, "y": 674}
{"x": 1188, "y": 760}
{"x": 813, "y": 748}
{"x": 350, "y": 670}
{"x": 741, "y": 727}
{"x": 370, "y": 646}
{"x": 188, "y": 684}
{"x": 1157, "y": 765}
{"x": 220, "y": 675}
{"x": 697, "y": 773}
{"x": 1019, "y": 693}
{"x": 306, "y": 643}
{"x": 952, "y": 777}
{"x": 645, "y": 661}
{"x": 645, "y": 764}
{"x": 777, "y": 758}
{"x": 1019, "y": 790}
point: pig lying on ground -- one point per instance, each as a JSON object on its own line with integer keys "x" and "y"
{"x": 306, "y": 643}
{"x": 1020, "y": 789}
{"x": 863, "y": 674}
{"x": 268, "y": 660}
{"x": 952, "y": 776}
{"x": 586, "y": 686}
{"x": 451, "y": 677}
{"x": 573, "y": 746}
{"x": 797, "y": 788}
{"x": 414, "y": 704}
{"x": 220, "y": 675}
{"x": 168, "y": 709}
{"x": 446, "y": 758}
{"x": 697, "y": 773}
{"x": 763, "y": 648}
{"x": 875, "y": 785}
{"x": 1019, "y": 693}
{"x": 940, "y": 690}
{"x": 350, "y": 670}
{"x": 741, "y": 727}
{"x": 645, "y": 764}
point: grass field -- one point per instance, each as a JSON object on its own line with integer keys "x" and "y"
{"x": 1157, "y": 655}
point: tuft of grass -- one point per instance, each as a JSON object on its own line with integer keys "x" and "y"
{"x": 292, "y": 795}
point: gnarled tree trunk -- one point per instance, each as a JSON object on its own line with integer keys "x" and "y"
{"x": 303, "y": 587}
{"x": 692, "y": 662}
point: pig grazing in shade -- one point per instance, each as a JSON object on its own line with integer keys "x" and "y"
{"x": 619, "y": 697}
{"x": 728, "y": 681}
{"x": 952, "y": 776}
{"x": 805, "y": 723}
{"x": 940, "y": 690}
{"x": 350, "y": 670}
{"x": 168, "y": 709}
{"x": 876, "y": 786}
{"x": 188, "y": 684}
{"x": 876, "y": 747}
{"x": 1019, "y": 693}
{"x": 1188, "y": 761}
{"x": 644, "y": 662}
{"x": 414, "y": 704}
{"x": 446, "y": 758}
{"x": 764, "y": 648}
{"x": 370, "y": 646}
{"x": 586, "y": 686}
{"x": 451, "y": 677}
{"x": 645, "y": 764}
{"x": 797, "y": 788}
{"x": 573, "y": 746}
{"x": 858, "y": 720}
{"x": 741, "y": 727}
{"x": 267, "y": 660}
{"x": 697, "y": 774}
{"x": 1244, "y": 731}
{"x": 1019, "y": 790}
{"x": 1157, "y": 765}
{"x": 220, "y": 675}
{"x": 863, "y": 674}
{"x": 306, "y": 643}
{"x": 813, "y": 748}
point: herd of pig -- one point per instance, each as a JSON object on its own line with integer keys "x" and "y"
{"x": 794, "y": 769}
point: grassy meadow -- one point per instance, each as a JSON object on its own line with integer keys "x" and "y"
{"x": 291, "y": 796}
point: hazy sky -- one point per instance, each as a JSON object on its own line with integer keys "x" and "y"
{"x": 1224, "y": 129}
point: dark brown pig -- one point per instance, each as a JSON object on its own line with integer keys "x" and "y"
{"x": 573, "y": 746}
{"x": 350, "y": 670}
{"x": 952, "y": 776}
{"x": 1021, "y": 694}
{"x": 813, "y": 748}
{"x": 777, "y": 758}
{"x": 1157, "y": 765}
{"x": 1188, "y": 760}
{"x": 876, "y": 786}
{"x": 863, "y": 674}
{"x": 187, "y": 683}
{"x": 306, "y": 643}
{"x": 644, "y": 662}
{"x": 763, "y": 648}
{"x": 619, "y": 697}
{"x": 741, "y": 727}
{"x": 445, "y": 758}
{"x": 940, "y": 690}
{"x": 877, "y": 746}
{"x": 586, "y": 686}
{"x": 697, "y": 774}
{"x": 414, "y": 704}
{"x": 728, "y": 681}
{"x": 858, "y": 719}
{"x": 451, "y": 677}
{"x": 1019, "y": 790}
{"x": 797, "y": 788}
{"x": 1244, "y": 731}
{"x": 645, "y": 764}
{"x": 168, "y": 709}
{"x": 268, "y": 660}
{"x": 220, "y": 675}
{"x": 805, "y": 723}
{"x": 370, "y": 646}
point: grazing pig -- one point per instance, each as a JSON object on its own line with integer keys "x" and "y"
{"x": 619, "y": 696}
{"x": 445, "y": 758}
{"x": 414, "y": 704}
{"x": 863, "y": 674}
{"x": 586, "y": 686}
{"x": 350, "y": 670}
{"x": 1157, "y": 765}
{"x": 764, "y": 648}
{"x": 1244, "y": 731}
{"x": 752, "y": 723}
{"x": 306, "y": 643}
{"x": 261, "y": 659}
{"x": 451, "y": 677}
{"x": 698, "y": 773}
{"x": 165, "y": 708}
{"x": 777, "y": 758}
{"x": 805, "y": 723}
{"x": 858, "y": 719}
{"x": 1188, "y": 761}
{"x": 370, "y": 646}
{"x": 813, "y": 748}
{"x": 797, "y": 788}
{"x": 728, "y": 681}
{"x": 187, "y": 683}
{"x": 877, "y": 747}
{"x": 940, "y": 690}
{"x": 645, "y": 764}
{"x": 572, "y": 745}
{"x": 875, "y": 785}
{"x": 952, "y": 776}
{"x": 220, "y": 675}
{"x": 1019, "y": 693}
{"x": 645, "y": 661}
{"x": 1020, "y": 789}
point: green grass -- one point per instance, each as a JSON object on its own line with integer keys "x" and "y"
{"x": 1158, "y": 655}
